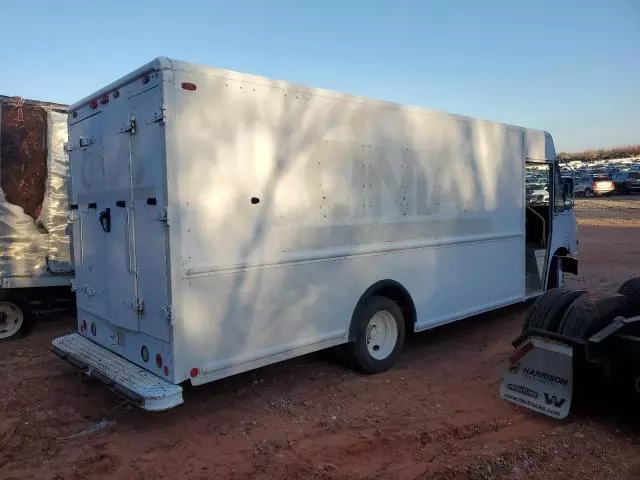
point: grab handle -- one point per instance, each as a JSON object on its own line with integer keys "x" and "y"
{"x": 105, "y": 219}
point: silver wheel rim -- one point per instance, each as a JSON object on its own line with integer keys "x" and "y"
{"x": 381, "y": 335}
{"x": 11, "y": 319}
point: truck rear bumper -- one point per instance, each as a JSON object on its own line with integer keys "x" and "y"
{"x": 137, "y": 385}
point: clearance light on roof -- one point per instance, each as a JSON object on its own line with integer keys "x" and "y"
{"x": 145, "y": 79}
{"x": 93, "y": 104}
{"x": 104, "y": 99}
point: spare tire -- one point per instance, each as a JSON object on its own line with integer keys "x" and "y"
{"x": 548, "y": 310}
{"x": 590, "y": 313}
{"x": 631, "y": 290}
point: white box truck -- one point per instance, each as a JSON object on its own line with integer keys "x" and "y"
{"x": 36, "y": 267}
{"x": 224, "y": 221}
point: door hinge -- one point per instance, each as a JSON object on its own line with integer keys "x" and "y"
{"x": 130, "y": 127}
{"x": 138, "y": 306}
{"x": 72, "y": 216}
{"x": 158, "y": 117}
{"x": 163, "y": 215}
{"x": 168, "y": 313}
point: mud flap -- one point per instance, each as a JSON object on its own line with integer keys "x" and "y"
{"x": 540, "y": 377}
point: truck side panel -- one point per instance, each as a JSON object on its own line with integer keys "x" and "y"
{"x": 286, "y": 204}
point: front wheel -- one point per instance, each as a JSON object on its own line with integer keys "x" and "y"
{"x": 379, "y": 332}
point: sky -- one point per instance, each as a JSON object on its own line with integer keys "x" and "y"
{"x": 566, "y": 66}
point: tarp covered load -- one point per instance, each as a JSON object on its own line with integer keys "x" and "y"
{"x": 34, "y": 196}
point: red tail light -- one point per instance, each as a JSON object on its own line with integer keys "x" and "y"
{"x": 159, "y": 360}
{"x": 188, "y": 86}
{"x": 104, "y": 99}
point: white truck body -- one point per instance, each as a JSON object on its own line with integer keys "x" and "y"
{"x": 225, "y": 221}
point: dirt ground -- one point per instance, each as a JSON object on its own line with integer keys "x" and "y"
{"x": 436, "y": 415}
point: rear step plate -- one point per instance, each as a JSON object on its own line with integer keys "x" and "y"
{"x": 137, "y": 385}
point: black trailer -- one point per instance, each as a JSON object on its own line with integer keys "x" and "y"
{"x": 571, "y": 339}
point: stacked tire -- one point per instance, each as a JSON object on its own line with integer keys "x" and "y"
{"x": 631, "y": 290}
{"x": 549, "y": 309}
{"x": 578, "y": 314}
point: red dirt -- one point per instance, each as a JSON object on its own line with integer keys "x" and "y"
{"x": 436, "y": 415}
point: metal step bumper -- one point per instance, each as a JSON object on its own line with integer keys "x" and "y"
{"x": 143, "y": 388}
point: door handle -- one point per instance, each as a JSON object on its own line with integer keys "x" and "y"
{"x": 105, "y": 219}
{"x": 131, "y": 263}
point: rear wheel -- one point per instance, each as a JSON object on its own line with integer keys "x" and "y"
{"x": 379, "y": 331}
{"x": 15, "y": 317}
{"x": 548, "y": 310}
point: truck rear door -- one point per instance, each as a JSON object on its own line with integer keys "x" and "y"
{"x": 149, "y": 193}
{"x": 119, "y": 184}
{"x": 101, "y": 177}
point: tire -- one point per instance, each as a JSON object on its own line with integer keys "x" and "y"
{"x": 548, "y": 310}
{"x": 16, "y": 317}
{"x": 631, "y": 290}
{"x": 590, "y": 313}
{"x": 384, "y": 317}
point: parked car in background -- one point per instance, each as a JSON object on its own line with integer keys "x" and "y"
{"x": 602, "y": 184}
{"x": 627, "y": 182}
{"x": 536, "y": 194}
{"x": 621, "y": 183}
{"x": 594, "y": 184}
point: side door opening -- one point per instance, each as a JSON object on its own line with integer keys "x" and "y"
{"x": 538, "y": 220}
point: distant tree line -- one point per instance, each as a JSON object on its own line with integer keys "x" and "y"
{"x": 604, "y": 154}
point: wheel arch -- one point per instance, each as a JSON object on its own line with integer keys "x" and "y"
{"x": 392, "y": 290}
